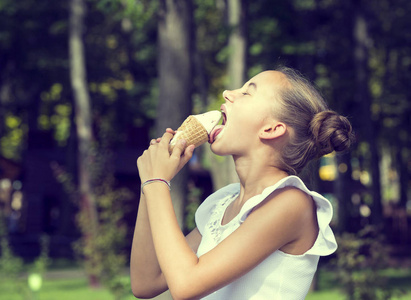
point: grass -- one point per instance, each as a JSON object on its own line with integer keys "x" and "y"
{"x": 328, "y": 287}
{"x": 74, "y": 286}
{"x": 61, "y": 289}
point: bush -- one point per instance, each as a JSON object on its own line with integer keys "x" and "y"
{"x": 11, "y": 266}
{"x": 107, "y": 258}
{"x": 360, "y": 259}
{"x": 101, "y": 246}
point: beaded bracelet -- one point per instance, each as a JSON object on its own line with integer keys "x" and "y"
{"x": 156, "y": 180}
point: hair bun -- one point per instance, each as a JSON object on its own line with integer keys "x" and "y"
{"x": 331, "y": 132}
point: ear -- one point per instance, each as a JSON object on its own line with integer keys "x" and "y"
{"x": 272, "y": 130}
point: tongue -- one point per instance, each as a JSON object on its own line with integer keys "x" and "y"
{"x": 213, "y": 134}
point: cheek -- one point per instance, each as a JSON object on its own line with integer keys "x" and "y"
{"x": 247, "y": 124}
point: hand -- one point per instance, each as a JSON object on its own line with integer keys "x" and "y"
{"x": 157, "y": 162}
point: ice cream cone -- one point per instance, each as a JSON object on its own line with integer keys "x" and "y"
{"x": 196, "y": 128}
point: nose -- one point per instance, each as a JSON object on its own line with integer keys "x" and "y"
{"x": 228, "y": 96}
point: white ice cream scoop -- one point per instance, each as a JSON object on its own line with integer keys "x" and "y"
{"x": 196, "y": 128}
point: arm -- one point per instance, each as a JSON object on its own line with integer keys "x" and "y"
{"x": 147, "y": 279}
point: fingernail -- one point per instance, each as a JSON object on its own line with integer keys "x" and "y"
{"x": 183, "y": 142}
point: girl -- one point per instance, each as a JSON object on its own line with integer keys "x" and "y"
{"x": 260, "y": 238}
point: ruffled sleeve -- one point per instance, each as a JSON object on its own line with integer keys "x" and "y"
{"x": 325, "y": 243}
{"x": 206, "y": 208}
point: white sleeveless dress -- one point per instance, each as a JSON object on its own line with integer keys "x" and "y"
{"x": 281, "y": 275}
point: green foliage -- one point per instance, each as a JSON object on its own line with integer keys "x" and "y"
{"x": 101, "y": 246}
{"x": 211, "y": 31}
{"x": 120, "y": 42}
{"x": 106, "y": 257}
{"x": 140, "y": 12}
{"x": 55, "y": 113}
{"x": 42, "y": 262}
{"x": 101, "y": 251}
{"x": 11, "y": 142}
{"x": 360, "y": 260}
{"x": 11, "y": 266}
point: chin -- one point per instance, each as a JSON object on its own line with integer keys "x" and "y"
{"x": 218, "y": 149}
{"x": 215, "y": 148}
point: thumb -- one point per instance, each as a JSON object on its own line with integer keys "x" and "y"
{"x": 188, "y": 154}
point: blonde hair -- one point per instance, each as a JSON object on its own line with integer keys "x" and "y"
{"x": 316, "y": 130}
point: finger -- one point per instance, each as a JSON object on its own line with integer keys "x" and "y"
{"x": 166, "y": 138}
{"x": 188, "y": 154}
{"x": 140, "y": 160}
{"x": 153, "y": 142}
{"x": 179, "y": 148}
{"x": 170, "y": 130}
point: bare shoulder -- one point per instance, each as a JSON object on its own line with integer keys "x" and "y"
{"x": 293, "y": 212}
{"x": 290, "y": 199}
{"x": 288, "y": 209}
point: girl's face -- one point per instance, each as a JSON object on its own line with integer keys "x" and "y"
{"x": 245, "y": 112}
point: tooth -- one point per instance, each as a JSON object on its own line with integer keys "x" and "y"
{"x": 196, "y": 129}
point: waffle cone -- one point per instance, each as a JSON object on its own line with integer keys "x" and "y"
{"x": 192, "y": 131}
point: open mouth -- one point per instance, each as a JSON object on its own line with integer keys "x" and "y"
{"x": 218, "y": 128}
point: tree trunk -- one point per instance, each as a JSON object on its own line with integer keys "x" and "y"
{"x": 403, "y": 175}
{"x": 361, "y": 49}
{"x": 5, "y": 95}
{"x": 342, "y": 189}
{"x": 237, "y": 43}
{"x": 223, "y": 168}
{"x": 175, "y": 80}
{"x": 83, "y": 120}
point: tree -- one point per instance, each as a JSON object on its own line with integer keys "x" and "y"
{"x": 84, "y": 130}
{"x": 389, "y": 80}
{"x": 343, "y": 103}
{"x": 335, "y": 75}
{"x": 361, "y": 53}
{"x": 175, "y": 71}
{"x": 39, "y": 27}
{"x": 223, "y": 168}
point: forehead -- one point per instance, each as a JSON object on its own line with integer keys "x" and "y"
{"x": 270, "y": 77}
{"x": 269, "y": 81}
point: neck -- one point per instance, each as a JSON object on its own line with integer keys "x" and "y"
{"x": 255, "y": 175}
